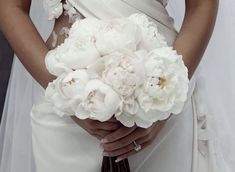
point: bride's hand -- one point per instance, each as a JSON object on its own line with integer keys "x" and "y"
{"x": 96, "y": 128}
{"x": 120, "y": 143}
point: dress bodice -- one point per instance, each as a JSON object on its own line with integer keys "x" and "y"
{"x": 109, "y": 9}
{"x": 55, "y": 8}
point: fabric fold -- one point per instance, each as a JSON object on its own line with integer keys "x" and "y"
{"x": 109, "y": 9}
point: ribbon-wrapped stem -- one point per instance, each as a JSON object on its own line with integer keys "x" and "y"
{"x": 109, "y": 165}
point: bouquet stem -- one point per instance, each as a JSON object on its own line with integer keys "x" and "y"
{"x": 109, "y": 165}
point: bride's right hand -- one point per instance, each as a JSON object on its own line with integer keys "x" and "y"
{"x": 96, "y": 128}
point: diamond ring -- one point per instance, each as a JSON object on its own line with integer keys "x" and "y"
{"x": 137, "y": 147}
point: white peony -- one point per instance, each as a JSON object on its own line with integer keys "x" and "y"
{"x": 124, "y": 72}
{"x": 129, "y": 120}
{"x": 78, "y": 53}
{"x": 86, "y": 28}
{"x": 118, "y": 34}
{"x": 54, "y": 8}
{"x": 166, "y": 85}
{"x": 100, "y": 102}
{"x": 66, "y": 92}
{"x": 151, "y": 38}
{"x": 120, "y": 67}
{"x": 72, "y": 54}
{"x": 54, "y": 65}
{"x": 108, "y": 36}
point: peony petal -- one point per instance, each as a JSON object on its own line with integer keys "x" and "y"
{"x": 152, "y": 115}
{"x": 111, "y": 100}
{"x": 123, "y": 35}
{"x": 86, "y": 28}
{"x": 81, "y": 113}
{"x": 131, "y": 120}
{"x": 126, "y": 120}
{"x": 151, "y": 38}
{"x": 77, "y": 56}
{"x": 53, "y": 65}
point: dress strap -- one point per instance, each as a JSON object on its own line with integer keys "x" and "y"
{"x": 109, "y": 9}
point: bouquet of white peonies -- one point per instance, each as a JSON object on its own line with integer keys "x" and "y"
{"x": 121, "y": 67}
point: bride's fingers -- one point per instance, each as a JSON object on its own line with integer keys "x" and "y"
{"x": 90, "y": 124}
{"x": 102, "y": 133}
{"x": 127, "y": 149}
{"x": 125, "y": 141}
{"x": 99, "y": 134}
{"x": 97, "y": 125}
{"x": 132, "y": 152}
{"x": 147, "y": 136}
{"x": 109, "y": 126}
{"x": 118, "y": 134}
{"x": 98, "y": 137}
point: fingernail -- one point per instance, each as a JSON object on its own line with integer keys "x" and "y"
{"x": 104, "y": 141}
{"x": 105, "y": 154}
{"x": 118, "y": 160}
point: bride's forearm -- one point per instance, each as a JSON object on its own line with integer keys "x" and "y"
{"x": 17, "y": 26}
{"x": 196, "y": 31}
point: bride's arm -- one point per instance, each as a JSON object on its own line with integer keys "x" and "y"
{"x": 198, "y": 25}
{"x": 30, "y": 48}
{"x": 191, "y": 42}
{"x": 17, "y": 26}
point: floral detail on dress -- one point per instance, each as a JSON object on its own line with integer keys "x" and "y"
{"x": 55, "y": 9}
{"x": 71, "y": 12}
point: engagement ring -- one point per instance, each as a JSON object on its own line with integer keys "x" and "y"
{"x": 137, "y": 147}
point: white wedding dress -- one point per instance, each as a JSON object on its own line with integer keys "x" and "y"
{"x": 200, "y": 139}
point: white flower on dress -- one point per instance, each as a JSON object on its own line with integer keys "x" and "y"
{"x": 71, "y": 11}
{"x": 100, "y": 102}
{"x": 151, "y": 38}
{"x": 166, "y": 85}
{"x": 54, "y": 8}
{"x": 66, "y": 92}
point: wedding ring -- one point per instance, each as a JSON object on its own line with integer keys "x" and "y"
{"x": 137, "y": 147}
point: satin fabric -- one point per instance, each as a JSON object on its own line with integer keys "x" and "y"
{"x": 60, "y": 145}
{"x": 109, "y": 9}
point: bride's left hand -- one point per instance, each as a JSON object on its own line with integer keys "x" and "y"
{"x": 120, "y": 143}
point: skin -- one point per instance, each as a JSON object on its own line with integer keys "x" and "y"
{"x": 116, "y": 140}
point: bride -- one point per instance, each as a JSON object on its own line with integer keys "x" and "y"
{"x": 70, "y": 144}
